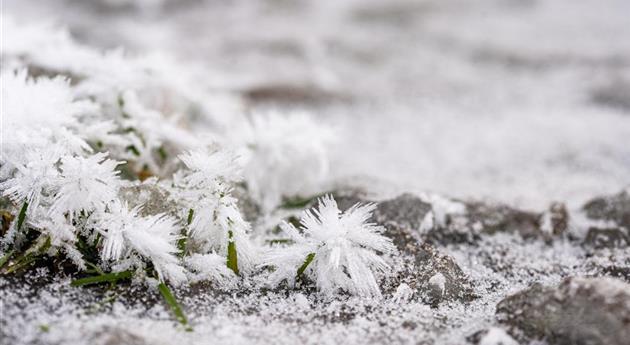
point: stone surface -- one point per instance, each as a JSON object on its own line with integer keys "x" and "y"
{"x": 578, "y": 311}
{"x": 611, "y": 218}
{"x": 607, "y": 237}
{"x": 614, "y": 208}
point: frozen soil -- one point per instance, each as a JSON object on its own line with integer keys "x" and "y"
{"x": 442, "y": 294}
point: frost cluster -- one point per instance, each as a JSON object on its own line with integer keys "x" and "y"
{"x": 338, "y": 251}
{"x": 88, "y": 136}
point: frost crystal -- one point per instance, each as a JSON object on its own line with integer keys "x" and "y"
{"x": 215, "y": 218}
{"x": 128, "y": 235}
{"x": 339, "y": 251}
{"x": 86, "y": 184}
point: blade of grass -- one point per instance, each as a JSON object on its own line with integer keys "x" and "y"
{"x": 103, "y": 278}
{"x": 309, "y": 259}
{"x": 6, "y": 258}
{"x": 22, "y": 215}
{"x": 191, "y": 213}
{"x": 181, "y": 243}
{"x": 232, "y": 258}
{"x": 31, "y": 255}
{"x": 169, "y": 298}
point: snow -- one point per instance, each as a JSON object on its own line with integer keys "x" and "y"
{"x": 497, "y": 336}
{"x": 470, "y": 99}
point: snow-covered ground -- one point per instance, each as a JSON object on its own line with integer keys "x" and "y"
{"x": 520, "y": 101}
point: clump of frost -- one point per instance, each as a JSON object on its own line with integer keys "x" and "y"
{"x": 66, "y": 189}
{"x": 85, "y": 184}
{"x": 338, "y": 251}
{"x": 214, "y": 219}
{"x": 209, "y": 267}
{"x": 285, "y": 156}
{"x": 128, "y": 238}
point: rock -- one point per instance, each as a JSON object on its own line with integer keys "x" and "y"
{"x": 442, "y": 221}
{"x": 151, "y": 197}
{"x": 431, "y": 275}
{"x": 435, "y": 277}
{"x": 614, "y": 208}
{"x": 502, "y": 218}
{"x": 479, "y": 219}
{"x": 614, "y": 211}
{"x": 607, "y": 237}
{"x": 578, "y": 311}
{"x": 405, "y": 210}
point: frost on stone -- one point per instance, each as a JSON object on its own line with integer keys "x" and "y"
{"x": 403, "y": 293}
{"x": 338, "y": 251}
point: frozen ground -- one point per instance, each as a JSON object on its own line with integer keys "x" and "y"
{"x": 521, "y": 102}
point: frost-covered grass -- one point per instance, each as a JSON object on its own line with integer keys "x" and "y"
{"x": 105, "y": 123}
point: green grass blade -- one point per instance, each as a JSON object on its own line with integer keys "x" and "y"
{"x": 103, "y": 278}
{"x": 232, "y": 257}
{"x": 309, "y": 259}
{"x": 169, "y": 298}
{"x": 6, "y": 258}
{"x": 191, "y": 213}
{"x": 22, "y": 215}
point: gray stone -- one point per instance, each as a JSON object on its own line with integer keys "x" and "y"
{"x": 151, "y": 197}
{"x": 611, "y": 208}
{"x": 607, "y": 237}
{"x": 402, "y": 217}
{"x": 578, "y": 311}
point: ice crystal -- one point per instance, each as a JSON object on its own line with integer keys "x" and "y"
{"x": 127, "y": 234}
{"x": 342, "y": 250}
{"x": 86, "y": 184}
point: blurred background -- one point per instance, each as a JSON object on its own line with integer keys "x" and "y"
{"x": 521, "y": 101}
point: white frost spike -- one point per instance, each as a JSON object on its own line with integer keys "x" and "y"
{"x": 345, "y": 248}
{"x": 39, "y": 107}
{"x": 34, "y": 176}
{"x": 153, "y": 237}
{"x": 213, "y": 220}
{"x": 210, "y": 168}
{"x": 86, "y": 184}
